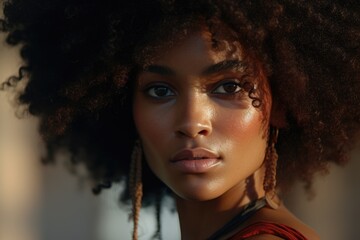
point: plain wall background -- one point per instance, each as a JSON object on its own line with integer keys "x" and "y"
{"x": 48, "y": 203}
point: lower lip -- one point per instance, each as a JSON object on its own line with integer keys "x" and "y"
{"x": 196, "y": 166}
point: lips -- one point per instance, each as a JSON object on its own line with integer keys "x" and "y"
{"x": 195, "y": 160}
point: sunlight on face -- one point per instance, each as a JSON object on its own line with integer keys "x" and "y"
{"x": 201, "y": 134}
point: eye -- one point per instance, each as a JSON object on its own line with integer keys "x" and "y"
{"x": 229, "y": 87}
{"x": 159, "y": 91}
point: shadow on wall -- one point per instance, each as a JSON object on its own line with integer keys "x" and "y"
{"x": 335, "y": 209}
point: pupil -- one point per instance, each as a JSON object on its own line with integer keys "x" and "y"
{"x": 160, "y": 91}
{"x": 230, "y": 87}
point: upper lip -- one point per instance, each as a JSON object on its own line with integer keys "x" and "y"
{"x": 194, "y": 154}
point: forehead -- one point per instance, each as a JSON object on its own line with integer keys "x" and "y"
{"x": 196, "y": 51}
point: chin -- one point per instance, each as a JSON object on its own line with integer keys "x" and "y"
{"x": 197, "y": 191}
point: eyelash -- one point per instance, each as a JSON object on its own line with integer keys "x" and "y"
{"x": 150, "y": 91}
{"x": 152, "y": 88}
{"x": 233, "y": 82}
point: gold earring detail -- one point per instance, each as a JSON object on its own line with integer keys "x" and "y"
{"x": 271, "y": 159}
{"x": 135, "y": 185}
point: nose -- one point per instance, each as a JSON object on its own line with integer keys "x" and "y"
{"x": 194, "y": 117}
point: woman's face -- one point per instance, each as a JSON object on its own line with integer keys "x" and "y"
{"x": 199, "y": 131}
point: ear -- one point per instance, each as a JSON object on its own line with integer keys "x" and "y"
{"x": 278, "y": 114}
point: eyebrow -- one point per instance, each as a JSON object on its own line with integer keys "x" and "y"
{"x": 216, "y": 68}
{"x": 224, "y": 66}
{"x": 162, "y": 70}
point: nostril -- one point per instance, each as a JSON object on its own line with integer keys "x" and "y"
{"x": 183, "y": 133}
{"x": 204, "y": 132}
{"x": 193, "y": 131}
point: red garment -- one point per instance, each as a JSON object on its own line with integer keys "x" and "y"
{"x": 279, "y": 230}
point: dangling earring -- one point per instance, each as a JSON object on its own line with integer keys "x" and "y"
{"x": 271, "y": 158}
{"x": 135, "y": 185}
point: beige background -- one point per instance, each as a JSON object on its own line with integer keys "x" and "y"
{"x": 48, "y": 203}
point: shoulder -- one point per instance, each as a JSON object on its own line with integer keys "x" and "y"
{"x": 284, "y": 217}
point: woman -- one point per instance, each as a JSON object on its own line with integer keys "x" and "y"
{"x": 220, "y": 104}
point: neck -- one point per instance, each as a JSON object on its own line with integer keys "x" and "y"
{"x": 200, "y": 219}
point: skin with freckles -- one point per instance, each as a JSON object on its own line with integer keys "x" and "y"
{"x": 201, "y": 134}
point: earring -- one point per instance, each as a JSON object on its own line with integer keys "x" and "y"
{"x": 271, "y": 158}
{"x": 157, "y": 234}
{"x": 135, "y": 185}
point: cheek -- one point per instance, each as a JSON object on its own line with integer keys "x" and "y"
{"x": 153, "y": 127}
{"x": 150, "y": 122}
{"x": 241, "y": 124}
{"x": 244, "y": 134}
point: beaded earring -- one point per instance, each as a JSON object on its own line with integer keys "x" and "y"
{"x": 135, "y": 185}
{"x": 271, "y": 159}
